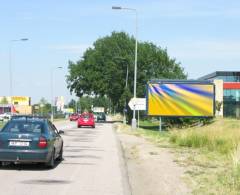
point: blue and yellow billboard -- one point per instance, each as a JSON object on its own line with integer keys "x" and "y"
{"x": 181, "y": 99}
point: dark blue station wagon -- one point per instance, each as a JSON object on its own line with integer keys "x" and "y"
{"x": 30, "y": 139}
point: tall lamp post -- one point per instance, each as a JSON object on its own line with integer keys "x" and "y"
{"x": 10, "y": 66}
{"x": 52, "y": 107}
{"x": 125, "y": 106}
{"x": 134, "y": 123}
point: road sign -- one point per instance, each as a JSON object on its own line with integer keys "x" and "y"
{"x": 138, "y": 103}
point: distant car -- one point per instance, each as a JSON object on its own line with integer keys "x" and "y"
{"x": 1, "y": 117}
{"x": 101, "y": 117}
{"x": 86, "y": 119}
{"x": 74, "y": 117}
{"x": 30, "y": 139}
{"x": 5, "y": 116}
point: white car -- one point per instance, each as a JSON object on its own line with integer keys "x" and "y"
{"x": 1, "y": 117}
{"x": 5, "y": 116}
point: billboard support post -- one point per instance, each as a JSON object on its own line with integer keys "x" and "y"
{"x": 138, "y": 118}
{"x": 160, "y": 124}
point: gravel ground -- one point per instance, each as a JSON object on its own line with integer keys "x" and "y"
{"x": 151, "y": 169}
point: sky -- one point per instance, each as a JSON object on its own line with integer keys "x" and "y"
{"x": 204, "y": 36}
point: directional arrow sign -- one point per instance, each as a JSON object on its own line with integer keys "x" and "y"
{"x": 138, "y": 103}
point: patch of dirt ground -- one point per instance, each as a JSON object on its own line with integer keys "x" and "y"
{"x": 151, "y": 169}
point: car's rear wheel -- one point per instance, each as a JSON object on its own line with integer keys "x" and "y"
{"x": 51, "y": 162}
{"x": 93, "y": 126}
{"x": 79, "y": 126}
{"x": 60, "y": 157}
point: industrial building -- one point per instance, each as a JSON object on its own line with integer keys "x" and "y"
{"x": 227, "y": 90}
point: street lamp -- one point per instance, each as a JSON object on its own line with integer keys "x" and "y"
{"x": 52, "y": 107}
{"x": 134, "y": 123}
{"x": 10, "y": 66}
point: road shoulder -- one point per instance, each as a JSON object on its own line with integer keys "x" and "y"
{"x": 123, "y": 166}
{"x": 151, "y": 169}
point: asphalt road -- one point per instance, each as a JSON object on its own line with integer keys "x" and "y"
{"x": 92, "y": 165}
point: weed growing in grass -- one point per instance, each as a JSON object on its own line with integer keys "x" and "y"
{"x": 210, "y": 153}
{"x": 221, "y": 140}
{"x": 235, "y": 172}
{"x": 219, "y": 136}
{"x": 235, "y": 156}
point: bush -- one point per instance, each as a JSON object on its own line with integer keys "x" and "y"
{"x": 184, "y": 122}
{"x": 215, "y": 137}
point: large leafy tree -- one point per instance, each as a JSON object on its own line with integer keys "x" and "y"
{"x": 43, "y": 107}
{"x": 4, "y": 101}
{"x": 103, "y": 69}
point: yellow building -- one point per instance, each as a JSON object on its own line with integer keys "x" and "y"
{"x": 21, "y": 104}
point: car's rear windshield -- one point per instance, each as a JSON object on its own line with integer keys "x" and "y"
{"x": 24, "y": 127}
{"x": 86, "y": 116}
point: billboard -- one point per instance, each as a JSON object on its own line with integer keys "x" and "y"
{"x": 59, "y": 102}
{"x": 181, "y": 99}
{"x": 20, "y": 100}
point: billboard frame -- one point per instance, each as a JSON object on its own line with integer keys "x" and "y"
{"x": 170, "y": 81}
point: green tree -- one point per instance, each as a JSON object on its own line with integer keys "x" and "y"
{"x": 85, "y": 103}
{"x": 72, "y": 104}
{"x": 43, "y": 107}
{"x": 103, "y": 68}
{"x": 4, "y": 101}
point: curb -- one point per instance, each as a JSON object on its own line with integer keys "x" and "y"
{"x": 127, "y": 190}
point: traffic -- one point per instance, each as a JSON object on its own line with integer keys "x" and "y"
{"x": 30, "y": 139}
{"x": 35, "y": 139}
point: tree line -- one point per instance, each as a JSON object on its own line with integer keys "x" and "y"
{"x": 107, "y": 69}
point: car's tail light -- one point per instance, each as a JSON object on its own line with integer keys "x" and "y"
{"x": 42, "y": 142}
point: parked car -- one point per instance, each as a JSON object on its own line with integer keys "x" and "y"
{"x": 28, "y": 139}
{"x": 1, "y": 117}
{"x": 86, "y": 119}
{"x": 5, "y": 116}
{"x": 74, "y": 117}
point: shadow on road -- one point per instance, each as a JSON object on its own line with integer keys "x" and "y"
{"x": 46, "y": 182}
{"x": 29, "y": 167}
{"x": 83, "y": 156}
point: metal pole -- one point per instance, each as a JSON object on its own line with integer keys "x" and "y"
{"x": 80, "y": 109}
{"x": 52, "y": 94}
{"x": 52, "y": 98}
{"x": 124, "y": 116}
{"x": 76, "y": 106}
{"x": 10, "y": 70}
{"x": 138, "y": 118}
{"x": 160, "y": 123}
{"x": 10, "y": 76}
{"x": 127, "y": 77}
{"x": 134, "y": 125}
{"x": 124, "y": 111}
{"x": 135, "y": 74}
